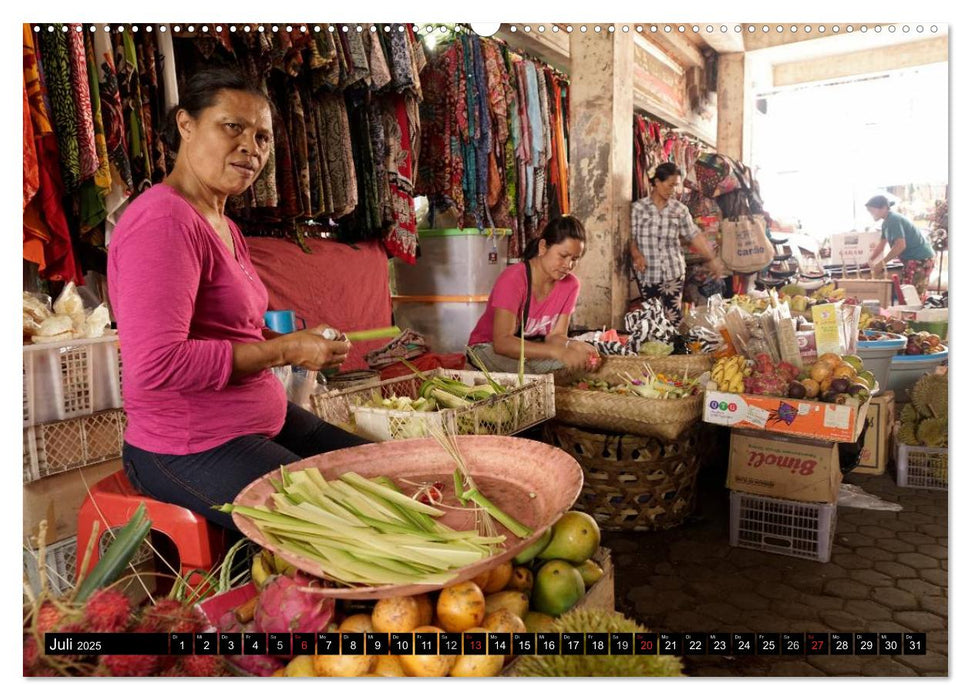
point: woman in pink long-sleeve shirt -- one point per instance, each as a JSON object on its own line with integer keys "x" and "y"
{"x": 205, "y": 415}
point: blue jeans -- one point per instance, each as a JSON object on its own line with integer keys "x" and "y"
{"x": 205, "y": 479}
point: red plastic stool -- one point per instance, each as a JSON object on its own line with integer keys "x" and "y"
{"x": 113, "y": 501}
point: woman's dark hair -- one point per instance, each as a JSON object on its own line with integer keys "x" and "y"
{"x": 878, "y": 202}
{"x": 556, "y": 231}
{"x": 200, "y": 92}
{"x": 664, "y": 171}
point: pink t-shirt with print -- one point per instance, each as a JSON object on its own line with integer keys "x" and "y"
{"x": 509, "y": 293}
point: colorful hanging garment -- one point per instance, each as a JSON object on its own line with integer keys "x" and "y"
{"x": 56, "y": 58}
{"x": 81, "y": 91}
{"x": 338, "y": 154}
{"x": 94, "y": 192}
{"x": 380, "y": 72}
{"x": 126, "y": 65}
{"x": 31, "y": 173}
{"x": 47, "y": 240}
{"x": 402, "y": 240}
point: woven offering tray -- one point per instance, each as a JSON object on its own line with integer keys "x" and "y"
{"x": 531, "y": 481}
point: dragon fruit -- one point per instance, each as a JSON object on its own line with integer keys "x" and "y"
{"x": 290, "y": 603}
{"x": 256, "y": 664}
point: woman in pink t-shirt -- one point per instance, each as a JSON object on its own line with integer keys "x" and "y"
{"x": 544, "y": 290}
{"x": 205, "y": 415}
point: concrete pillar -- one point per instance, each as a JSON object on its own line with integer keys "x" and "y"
{"x": 731, "y": 104}
{"x": 601, "y": 164}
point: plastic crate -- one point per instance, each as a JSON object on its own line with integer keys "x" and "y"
{"x": 778, "y": 526}
{"x": 58, "y": 447}
{"x": 506, "y": 414}
{"x": 62, "y": 563}
{"x": 922, "y": 467}
{"x": 71, "y": 380}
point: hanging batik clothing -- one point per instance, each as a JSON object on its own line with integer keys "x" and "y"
{"x": 402, "y": 240}
{"x": 445, "y": 122}
{"x": 497, "y": 79}
{"x": 81, "y": 92}
{"x": 112, "y": 114}
{"x": 152, "y": 101}
{"x": 47, "y": 239}
{"x": 56, "y": 75}
{"x": 298, "y": 142}
{"x": 338, "y": 154}
{"x": 94, "y": 192}
{"x": 380, "y": 71}
{"x": 129, "y": 91}
{"x": 31, "y": 173}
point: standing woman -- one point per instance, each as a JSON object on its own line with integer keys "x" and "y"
{"x": 906, "y": 243}
{"x": 659, "y": 223}
{"x": 205, "y": 415}
{"x": 544, "y": 290}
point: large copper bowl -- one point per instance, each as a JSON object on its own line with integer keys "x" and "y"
{"x": 531, "y": 481}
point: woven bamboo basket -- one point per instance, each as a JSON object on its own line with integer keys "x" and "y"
{"x": 631, "y": 482}
{"x": 614, "y": 367}
{"x": 661, "y": 418}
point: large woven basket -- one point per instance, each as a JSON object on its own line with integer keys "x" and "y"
{"x": 614, "y": 367}
{"x": 661, "y": 418}
{"x": 632, "y": 482}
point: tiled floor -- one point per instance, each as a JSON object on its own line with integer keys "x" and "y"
{"x": 888, "y": 573}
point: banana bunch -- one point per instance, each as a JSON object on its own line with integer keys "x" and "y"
{"x": 266, "y": 564}
{"x": 729, "y": 372}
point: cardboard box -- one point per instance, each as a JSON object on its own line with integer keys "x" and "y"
{"x": 877, "y": 443}
{"x": 784, "y": 467}
{"x": 853, "y": 248}
{"x": 867, "y": 289}
{"x": 813, "y": 420}
{"x": 58, "y": 498}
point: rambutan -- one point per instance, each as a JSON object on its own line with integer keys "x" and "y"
{"x": 48, "y": 618}
{"x": 201, "y": 666}
{"x": 107, "y": 611}
{"x": 171, "y": 616}
{"x": 130, "y": 665}
{"x": 31, "y": 654}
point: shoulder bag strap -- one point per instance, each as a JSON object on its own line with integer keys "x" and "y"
{"x": 521, "y": 322}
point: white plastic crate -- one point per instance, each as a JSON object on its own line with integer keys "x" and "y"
{"x": 62, "y": 563}
{"x": 70, "y": 380}
{"x": 58, "y": 447}
{"x": 922, "y": 467}
{"x": 506, "y": 414}
{"x": 779, "y": 526}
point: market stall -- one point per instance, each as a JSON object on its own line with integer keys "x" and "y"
{"x": 473, "y": 522}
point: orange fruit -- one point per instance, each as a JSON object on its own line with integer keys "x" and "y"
{"x": 812, "y": 388}
{"x": 831, "y": 359}
{"x": 820, "y": 371}
{"x": 845, "y": 370}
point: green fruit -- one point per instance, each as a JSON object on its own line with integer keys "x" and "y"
{"x": 528, "y": 554}
{"x": 867, "y": 376}
{"x": 576, "y": 537}
{"x": 588, "y": 665}
{"x": 855, "y": 361}
{"x": 590, "y": 572}
{"x": 557, "y": 588}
